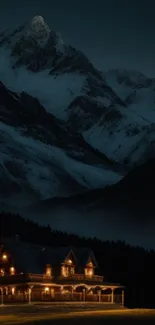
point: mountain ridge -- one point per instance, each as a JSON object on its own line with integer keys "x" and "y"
{"x": 66, "y": 129}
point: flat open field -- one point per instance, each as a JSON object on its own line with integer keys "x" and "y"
{"x": 44, "y": 315}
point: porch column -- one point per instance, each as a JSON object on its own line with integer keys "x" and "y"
{"x": 99, "y": 296}
{"x": 112, "y": 295}
{"x": 72, "y": 293}
{"x": 2, "y": 296}
{"x": 30, "y": 294}
{"x": 122, "y": 297}
{"x": 84, "y": 294}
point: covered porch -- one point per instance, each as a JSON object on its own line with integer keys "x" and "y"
{"x": 53, "y": 292}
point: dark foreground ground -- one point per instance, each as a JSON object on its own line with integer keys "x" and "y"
{"x": 47, "y": 315}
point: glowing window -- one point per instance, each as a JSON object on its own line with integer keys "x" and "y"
{"x": 4, "y": 257}
{"x": 64, "y": 271}
{"x": 12, "y": 270}
{"x": 69, "y": 261}
{"x": 13, "y": 290}
{"x": 48, "y": 270}
{"x": 89, "y": 272}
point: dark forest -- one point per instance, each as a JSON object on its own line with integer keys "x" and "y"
{"x": 119, "y": 262}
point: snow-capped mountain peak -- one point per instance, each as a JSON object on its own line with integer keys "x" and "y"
{"x": 31, "y": 37}
{"x": 73, "y": 90}
{"x": 38, "y": 29}
{"x": 66, "y": 127}
{"x": 61, "y": 69}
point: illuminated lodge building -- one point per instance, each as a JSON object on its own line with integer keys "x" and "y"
{"x": 31, "y": 272}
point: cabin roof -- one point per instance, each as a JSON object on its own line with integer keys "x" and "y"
{"x": 33, "y": 258}
{"x": 55, "y": 255}
{"x": 27, "y": 257}
{"x": 83, "y": 255}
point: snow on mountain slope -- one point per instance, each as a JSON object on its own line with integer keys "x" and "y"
{"x": 35, "y": 60}
{"x": 41, "y": 157}
{"x": 38, "y": 171}
{"x": 119, "y": 133}
{"x": 55, "y": 98}
{"x": 54, "y": 93}
{"x": 135, "y": 89}
{"x": 127, "y": 135}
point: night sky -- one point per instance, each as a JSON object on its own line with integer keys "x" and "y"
{"x": 113, "y": 33}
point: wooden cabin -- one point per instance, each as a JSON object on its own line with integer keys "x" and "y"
{"x": 31, "y": 272}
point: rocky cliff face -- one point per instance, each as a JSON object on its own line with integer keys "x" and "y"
{"x": 66, "y": 127}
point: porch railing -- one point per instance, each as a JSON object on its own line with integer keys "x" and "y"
{"x": 58, "y": 297}
{"x": 22, "y": 278}
{"x": 39, "y": 277}
{"x": 81, "y": 277}
{"x": 31, "y": 277}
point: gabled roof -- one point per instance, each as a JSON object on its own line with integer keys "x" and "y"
{"x": 83, "y": 256}
{"x": 33, "y": 258}
{"x": 56, "y": 255}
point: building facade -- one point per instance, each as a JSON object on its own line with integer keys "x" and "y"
{"x": 31, "y": 272}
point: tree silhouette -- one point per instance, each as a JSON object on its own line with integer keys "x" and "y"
{"x": 119, "y": 262}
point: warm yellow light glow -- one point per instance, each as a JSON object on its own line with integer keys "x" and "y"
{"x": 2, "y": 272}
{"x": 69, "y": 261}
{"x": 90, "y": 264}
{"x": 64, "y": 291}
{"x": 4, "y": 257}
{"x": 48, "y": 270}
{"x": 47, "y": 289}
{"x": 64, "y": 271}
{"x": 12, "y": 270}
{"x": 13, "y": 290}
{"x": 89, "y": 272}
{"x": 52, "y": 292}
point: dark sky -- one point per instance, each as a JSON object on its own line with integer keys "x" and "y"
{"x": 113, "y": 33}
